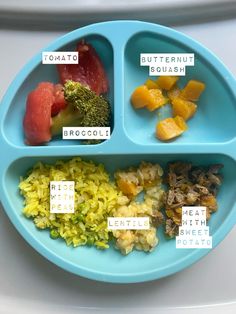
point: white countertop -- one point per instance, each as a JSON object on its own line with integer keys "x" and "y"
{"x": 29, "y": 283}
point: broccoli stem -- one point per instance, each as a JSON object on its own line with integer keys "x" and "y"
{"x": 70, "y": 116}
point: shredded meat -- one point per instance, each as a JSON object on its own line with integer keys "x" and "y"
{"x": 190, "y": 186}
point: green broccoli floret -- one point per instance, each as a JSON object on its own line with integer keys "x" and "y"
{"x": 95, "y": 110}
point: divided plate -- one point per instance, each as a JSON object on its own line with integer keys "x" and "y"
{"x": 210, "y": 139}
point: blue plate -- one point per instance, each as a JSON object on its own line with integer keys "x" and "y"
{"x": 210, "y": 139}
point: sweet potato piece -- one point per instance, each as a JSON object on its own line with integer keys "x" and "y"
{"x": 128, "y": 188}
{"x": 170, "y": 128}
{"x": 167, "y": 82}
{"x": 183, "y": 108}
{"x": 193, "y": 89}
{"x": 175, "y": 215}
{"x": 151, "y": 84}
{"x": 157, "y": 98}
{"x": 210, "y": 202}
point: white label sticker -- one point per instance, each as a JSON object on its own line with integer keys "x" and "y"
{"x": 128, "y": 223}
{"x": 167, "y": 63}
{"x": 194, "y": 232}
{"x": 62, "y": 197}
{"x": 60, "y": 57}
{"x": 86, "y": 133}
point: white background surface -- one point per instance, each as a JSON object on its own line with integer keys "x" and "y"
{"x": 29, "y": 283}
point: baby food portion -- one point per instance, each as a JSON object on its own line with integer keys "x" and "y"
{"x": 157, "y": 93}
{"x": 138, "y": 191}
{"x": 95, "y": 200}
{"x": 77, "y": 101}
{"x": 189, "y": 186}
{"x": 170, "y": 127}
{"x": 151, "y": 98}
{"x": 89, "y": 71}
{"x": 146, "y": 178}
{"x": 85, "y": 108}
{"x": 37, "y": 119}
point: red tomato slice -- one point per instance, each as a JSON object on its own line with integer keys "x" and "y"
{"x": 46, "y": 85}
{"x": 89, "y": 71}
{"x": 42, "y": 103}
{"x": 37, "y": 119}
{"x": 59, "y": 100}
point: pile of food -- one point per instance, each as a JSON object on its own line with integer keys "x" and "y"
{"x": 155, "y": 94}
{"x": 146, "y": 178}
{"x": 95, "y": 199}
{"x": 98, "y": 197}
{"x": 189, "y": 186}
{"x": 78, "y": 100}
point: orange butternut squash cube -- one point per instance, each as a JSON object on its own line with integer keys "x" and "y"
{"x": 170, "y": 128}
{"x": 173, "y": 93}
{"x": 150, "y": 98}
{"x": 140, "y": 97}
{"x": 181, "y": 123}
{"x": 156, "y": 99}
{"x": 167, "y": 82}
{"x": 193, "y": 89}
{"x": 183, "y": 108}
{"x": 151, "y": 84}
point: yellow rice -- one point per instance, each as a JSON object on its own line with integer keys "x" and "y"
{"x": 95, "y": 199}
